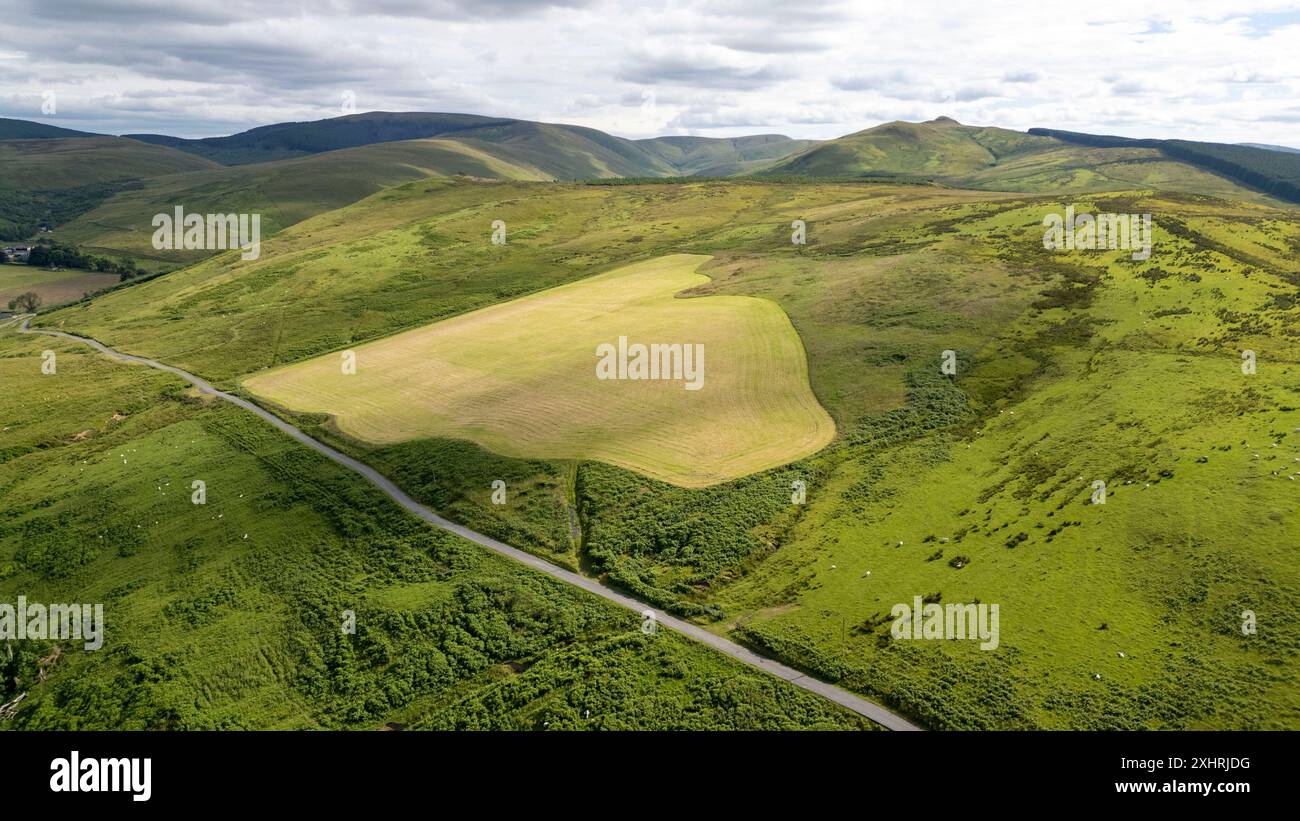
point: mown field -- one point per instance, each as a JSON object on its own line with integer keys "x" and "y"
{"x": 521, "y": 379}
{"x": 229, "y": 614}
{"x": 54, "y": 287}
{"x": 1073, "y": 368}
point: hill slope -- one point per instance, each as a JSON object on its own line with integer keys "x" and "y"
{"x": 564, "y": 151}
{"x": 284, "y": 140}
{"x": 283, "y": 192}
{"x": 1268, "y": 147}
{"x": 947, "y": 152}
{"x": 69, "y": 162}
{"x": 92, "y": 188}
{"x": 940, "y": 147}
{"x": 235, "y": 603}
{"x": 1073, "y": 368}
{"x": 27, "y": 130}
{"x": 54, "y": 179}
{"x": 1274, "y": 172}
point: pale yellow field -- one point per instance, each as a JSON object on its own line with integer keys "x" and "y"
{"x": 520, "y": 379}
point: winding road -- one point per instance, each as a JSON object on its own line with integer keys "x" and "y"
{"x": 857, "y": 704}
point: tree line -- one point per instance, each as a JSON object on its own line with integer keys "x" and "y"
{"x": 52, "y": 254}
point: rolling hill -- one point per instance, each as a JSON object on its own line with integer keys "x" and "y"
{"x": 53, "y": 179}
{"x": 69, "y": 162}
{"x": 1073, "y": 368}
{"x": 1274, "y": 172}
{"x": 284, "y": 192}
{"x": 284, "y": 140}
{"x": 235, "y": 602}
{"x": 938, "y": 148}
{"x": 109, "y": 188}
{"x": 291, "y": 171}
{"x": 1285, "y": 148}
{"x": 947, "y": 152}
{"x": 27, "y": 130}
{"x": 564, "y": 151}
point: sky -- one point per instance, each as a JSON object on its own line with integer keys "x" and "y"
{"x": 1220, "y": 71}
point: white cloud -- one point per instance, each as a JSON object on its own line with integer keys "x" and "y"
{"x": 1185, "y": 68}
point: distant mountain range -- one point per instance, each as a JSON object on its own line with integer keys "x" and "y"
{"x": 99, "y": 191}
{"x": 290, "y": 171}
{"x": 564, "y": 152}
{"x": 941, "y": 150}
{"x": 560, "y": 151}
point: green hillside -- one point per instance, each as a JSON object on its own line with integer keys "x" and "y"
{"x": 283, "y": 192}
{"x": 284, "y": 140}
{"x": 70, "y": 162}
{"x": 946, "y": 152}
{"x": 1073, "y": 368}
{"x": 52, "y": 180}
{"x": 563, "y": 151}
{"x": 229, "y": 614}
{"x": 102, "y": 192}
{"x": 939, "y": 148}
{"x": 1273, "y": 171}
{"x": 567, "y": 152}
{"x": 27, "y": 130}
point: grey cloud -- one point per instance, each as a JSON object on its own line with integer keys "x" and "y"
{"x": 970, "y": 93}
{"x": 654, "y": 70}
{"x": 456, "y": 9}
{"x": 1292, "y": 116}
{"x": 759, "y": 44}
{"x": 1128, "y": 88}
{"x": 220, "y": 12}
{"x": 130, "y": 12}
{"x": 873, "y": 82}
{"x": 788, "y": 15}
{"x": 897, "y": 84}
{"x": 709, "y": 118}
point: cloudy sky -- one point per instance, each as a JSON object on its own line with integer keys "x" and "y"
{"x": 1226, "y": 71}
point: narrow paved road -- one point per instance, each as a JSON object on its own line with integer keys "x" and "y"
{"x": 844, "y": 698}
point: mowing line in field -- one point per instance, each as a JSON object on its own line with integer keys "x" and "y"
{"x": 554, "y": 375}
